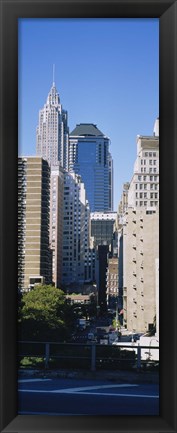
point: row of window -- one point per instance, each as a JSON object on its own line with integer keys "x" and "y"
{"x": 144, "y": 186}
{"x": 144, "y": 195}
{"x": 149, "y": 170}
{"x": 146, "y": 178}
{"x": 144, "y": 203}
{"x": 150, "y": 154}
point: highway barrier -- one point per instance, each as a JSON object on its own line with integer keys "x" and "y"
{"x": 89, "y": 356}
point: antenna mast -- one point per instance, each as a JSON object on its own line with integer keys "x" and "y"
{"x": 53, "y": 74}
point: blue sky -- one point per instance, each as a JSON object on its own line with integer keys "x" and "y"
{"x": 106, "y": 72}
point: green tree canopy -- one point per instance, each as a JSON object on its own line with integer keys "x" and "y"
{"x": 44, "y": 315}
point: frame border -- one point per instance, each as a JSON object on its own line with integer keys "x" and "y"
{"x": 166, "y": 11}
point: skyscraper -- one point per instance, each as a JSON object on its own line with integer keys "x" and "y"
{"x": 34, "y": 258}
{"x": 52, "y": 131}
{"x": 144, "y": 186}
{"x": 75, "y": 230}
{"x": 89, "y": 157}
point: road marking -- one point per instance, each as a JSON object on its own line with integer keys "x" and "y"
{"x": 107, "y": 394}
{"x": 87, "y": 388}
{"x": 33, "y": 380}
{"x": 50, "y": 413}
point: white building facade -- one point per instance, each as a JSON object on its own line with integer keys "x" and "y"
{"x": 52, "y": 135}
{"x": 75, "y": 230}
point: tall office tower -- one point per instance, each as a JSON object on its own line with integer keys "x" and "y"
{"x": 89, "y": 157}
{"x": 56, "y": 222}
{"x": 75, "y": 230}
{"x": 34, "y": 257}
{"x": 52, "y": 132}
{"x": 144, "y": 186}
{"x": 102, "y": 228}
{"x": 140, "y": 258}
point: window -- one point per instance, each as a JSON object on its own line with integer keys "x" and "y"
{"x": 150, "y": 170}
{"x": 145, "y": 194}
{"x": 141, "y": 186}
{"x": 139, "y": 177}
{"x": 155, "y": 161}
{"x": 150, "y": 161}
{"x": 150, "y": 154}
{"x": 151, "y": 178}
{"x": 141, "y": 203}
{"x": 154, "y": 154}
{"x": 145, "y": 186}
{"x": 144, "y": 177}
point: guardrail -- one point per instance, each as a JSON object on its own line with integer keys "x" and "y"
{"x": 91, "y": 356}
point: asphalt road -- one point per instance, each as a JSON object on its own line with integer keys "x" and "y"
{"x": 86, "y": 397}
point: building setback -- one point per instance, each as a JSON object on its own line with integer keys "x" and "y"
{"x": 89, "y": 157}
{"x": 34, "y": 256}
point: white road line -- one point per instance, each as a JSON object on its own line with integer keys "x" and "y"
{"x": 87, "y": 388}
{"x": 90, "y": 393}
{"x": 50, "y": 413}
{"x": 33, "y": 380}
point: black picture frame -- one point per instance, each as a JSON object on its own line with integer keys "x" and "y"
{"x": 166, "y": 11}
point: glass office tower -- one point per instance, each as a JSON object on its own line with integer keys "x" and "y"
{"x": 89, "y": 157}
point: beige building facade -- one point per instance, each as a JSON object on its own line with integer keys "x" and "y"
{"x": 34, "y": 258}
{"x": 140, "y": 255}
{"x": 112, "y": 280}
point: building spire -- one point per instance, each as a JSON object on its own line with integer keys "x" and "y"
{"x": 53, "y": 74}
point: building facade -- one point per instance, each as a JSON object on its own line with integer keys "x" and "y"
{"x": 144, "y": 186}
{"x": 112, "y": 282}
{"x": 140, "y": 255}
{"x": 34, "y": 256}
{"x": 56, "y": 222}
{"x": 52, "y": 135}
{"x": 75, "y": 230}
{"x": 102, "y": 228}
{"x": 89, "y": 157}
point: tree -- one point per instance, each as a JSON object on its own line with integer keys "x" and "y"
{"x": 44, "y": 315}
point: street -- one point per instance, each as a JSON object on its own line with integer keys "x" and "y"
{"x": 86, "y": 397}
